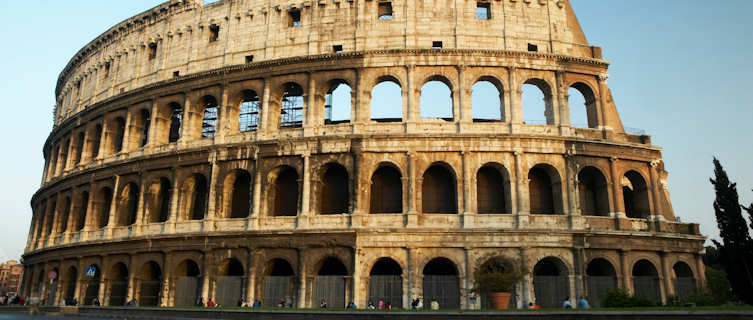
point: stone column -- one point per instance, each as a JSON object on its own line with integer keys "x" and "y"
{"x": 186, "y": 125}
{"x": 467, "y": 182}
{"x": 658, "y": 209}
{"x": 411, "y": 219}
{"x": 603, "y": 93}
{"x": 113, "y": 208}
{"x": 526, "y": 285}
{"x": 221, "y": 127}
{"x": 256, "y": 214}
{"x": 303, "y": 280}
{"x": 413, "y": 111}
{"x": 516, "y": 111}
{"x": 627, "y": 274}
{"x": 263, "y": 127}
{"x": 666, "y": 275}
{"x": 303, "y": 214}
{"x": 310, "y": 108}
{"x": 562, "y": 100}
{"x": 164, "y": 300}
{"x": 205, "y": 277}
{"x": 619, "y": 204}
{"x": 173, "y": 218}
{"x": 251, "y": 278}
{"x": 214, "y": 187}
{"x": 700, "y": 271}
{"x": 462, "y": 110}
{"x": 521, "y": 192}
{"x": 125, "y": 145}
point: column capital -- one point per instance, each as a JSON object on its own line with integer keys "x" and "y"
{"x": 613, "y": 159}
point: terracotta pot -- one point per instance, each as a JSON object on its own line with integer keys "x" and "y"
{"x": 500, "y": 300}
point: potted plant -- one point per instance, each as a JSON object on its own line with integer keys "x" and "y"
{"x": 497, "y": 279}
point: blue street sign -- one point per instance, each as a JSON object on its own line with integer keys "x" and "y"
{"x": 91, "y": 271}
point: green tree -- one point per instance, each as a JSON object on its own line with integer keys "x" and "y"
{"x": 736, "y": 251}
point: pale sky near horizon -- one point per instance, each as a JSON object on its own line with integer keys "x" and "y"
{"x": 682, "y": 70}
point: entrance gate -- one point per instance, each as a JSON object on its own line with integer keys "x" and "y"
{"x": 275, "y": 288}
{"x": 52, "y": 292}
{"x": 118, "y": 291}
{"x": 551, "y": 290}
{"x": 647, "y": 287}
{"x": 331, "y": 289}
{"x": 444, "y": 288}
{"x": 598, "y": 286}
{"x": 389, "y": 288}
{"x": 186, "y": 291}
{"x": 229, "y": 290}
{"x": 150, "y": 292}
{"x": 92, "y": 291}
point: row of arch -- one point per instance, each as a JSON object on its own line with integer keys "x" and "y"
{"x": 278, "y": 280}
{"x": 132, "y": 130}
{"x": 334, "y": 190}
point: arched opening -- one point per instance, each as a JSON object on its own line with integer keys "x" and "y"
{"x": 79, "y": 147}
{"x": 195, "y": 197}
{"x": 536, "y": 101}
{"x": 635, "y": 195}
{"x": 187, "y": 285}
{"x": 229, "y": 282}
{"x": 118, "y": 285}
{"x": 335, "y": 193}
{"x": 684, "y": 280}
{"x": 551, "y": 282}
{"x": 291, "y": 106}
{"x": 495, "y": 265}
{"x": 329, "y": 283}
{"x": 83, "y": 206}
{"x": 238, "y": 186}
{"x": 128, "y": 205}
{"x": 102, "y": 204}
{"x": 64, "y": 215}
{"x": 337, "y": 103}
{"x": 593, "y": 192}
{"x": 40, "y": 283}
{"x": 118, "y": 132}
{"x": 387, "y": 101}
{"x": 646, "y": 281}
{"x": 51, "y": 218}
{"x": 95, "y": 142}
{"x": 41, "y": 214}
{"x": 487, "y": 100}
{"x": 581, "y": 94}
{"x": 150, "y": 284}
{"x": 438, "y": 190}
{"x": 492, "y": 190}
{"x": 386, "y": 282}
{"x": 92, "y": 285}
{"x": 64, "y": 154}
{"x": 279, "y": 284}
{"x": 71, "y": 279}
{"x": 436, "y": 100}
{"x": 386, "y": 191}
{"x": 248, "y": 119}
{"x": 441, "y": 283}
{"x": 209, "y": 122}
{"x": 284, "y": 192}
{"x": 144, "y": 121}
{"x": 544, "y": 190}
{"x": 160, "y": 193}
{"x": 176, "y": 122}
{"x": 600, "y": 278}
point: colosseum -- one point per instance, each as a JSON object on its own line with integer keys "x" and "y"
{"x": 247, "y": 150}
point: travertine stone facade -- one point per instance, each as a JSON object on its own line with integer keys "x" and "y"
{"x": 194, "y": 155}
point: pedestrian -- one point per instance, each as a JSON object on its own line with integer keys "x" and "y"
{"x": 419, "y": 303}
{"x": 566, "y": 304}
{"x": 583, "y": 303}
{"x": 323, "y": 304}
{"x": 434, "y": 304}
{"x": 388, "y": 306}
{"x": 281, "y": 304}
{"x": 288, "y": 302}
{"x": 200, "y": 302}
{"x": 380, "y": 304}
{"x": 413, "y": 304}
{"x": 75, "y": 302}
{"x": 352, "y": 305}
{"x": 533, "y": 306}
{"x": 371, "y": 305}
{"x": 256, "y": 304}
{"x": 240, "y": 303}
{"x": 210, "y": 303}
{"x": 95, "y": 302}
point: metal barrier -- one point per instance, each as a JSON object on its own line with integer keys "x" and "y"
{"x": 647, "y": 287}
{"x": 331, "y": 289}
{"x": 551, "y": 290}
{"x": 228, "y": 290}
{"x": 684, "y": 286}
{"x": 150, "y": 293}
{"x": 389, "y": 288}
{"x": 446, "y": 289}
{"x": 186, "y": 291}
{"x": 275, "y": 288}
{"x": 118, "y": 292}
{"x": 598, "y": 286}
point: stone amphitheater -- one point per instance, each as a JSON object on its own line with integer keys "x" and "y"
{"x": 197, "y": 153}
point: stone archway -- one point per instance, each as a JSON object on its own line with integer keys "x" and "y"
{"x": 386, "y": 282}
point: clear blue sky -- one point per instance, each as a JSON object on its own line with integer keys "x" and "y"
{"x": 681, "y": 69}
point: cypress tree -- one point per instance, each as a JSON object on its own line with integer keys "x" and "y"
{"x": 736, "y": 251}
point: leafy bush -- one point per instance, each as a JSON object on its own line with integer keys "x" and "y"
{"x": 619, "y": 298}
